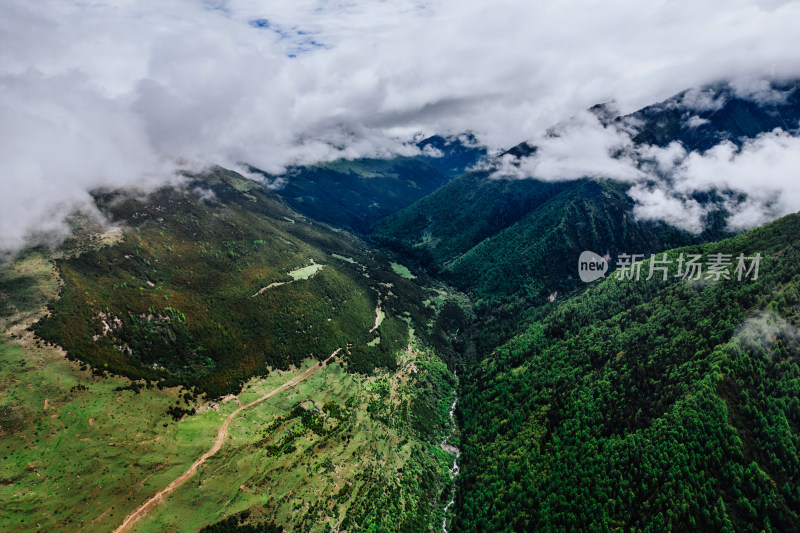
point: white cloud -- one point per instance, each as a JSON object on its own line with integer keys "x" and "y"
{"x": 101, "y": 93}
{"x": 578, "y": 148}
{"x": 431, "y": 151}
{"x": 653, "y": 203}
{"x": 761, "y": 333}
{"x": 766, "y": 170}
{"x": 60, "y": 140}
{"x": 695, "y": 121}
{"x": 702, "y": 100}
{"x": 759, "y": 91}
{"x": 665, "y": 158}
{"x": 758, "y": 182}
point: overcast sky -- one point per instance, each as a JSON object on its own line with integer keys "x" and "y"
{"x": 106, "y": 93}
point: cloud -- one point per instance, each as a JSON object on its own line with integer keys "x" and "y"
{"x": 697, "y": 99}
{"x": 695, "y": 121}
{"x": 760, "y": 181}
{"x": 760, "y": 334}
{"x": 62, "y": 139}
{"x": 100, "y": 93}
{"x": 653, "y": 203}
{"x": 431, "y": 151}
{"x": 760, "y": 91}
{"x": 578, "y": 148}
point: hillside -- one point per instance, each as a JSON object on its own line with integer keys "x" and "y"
{"x": 701, "y": 119}
{"x": 353, "y": 194}
{"x": 399, "y": 267}
{"x": 650, "y": 405}
{"x": 200, "y": 292}
{"x": 510, "y": 244}
{"x": 206, "y": 297}
{"x": 244, "y": 353}
{"x": 506, "y": 241}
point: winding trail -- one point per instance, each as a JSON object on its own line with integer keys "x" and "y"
{"x": 142, "y": 510}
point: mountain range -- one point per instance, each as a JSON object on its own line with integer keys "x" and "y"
{"x": 445, "y": 300}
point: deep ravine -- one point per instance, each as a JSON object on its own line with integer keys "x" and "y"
{"x": 453, "y": 469}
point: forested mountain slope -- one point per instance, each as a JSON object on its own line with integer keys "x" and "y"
{"x": 702, "y": 118}
{"x": 512, "y": 243}
{"x": 508, "y": 242}
{"x": 353, "y": 194}
{"x": 650, "y": 405}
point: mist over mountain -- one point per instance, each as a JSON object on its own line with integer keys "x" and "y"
{"x": 119, "y": 94}
{"x": 734, "y": 140}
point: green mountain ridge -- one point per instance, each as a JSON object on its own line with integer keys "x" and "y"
{"x": 648, "y": 405}
{"x": 354, "y": 194}
{"x": 726, "y": 116}
{"x": 188, "y": 302}
{"x": 510, "y": 243}
{"x": 525, "y": 239}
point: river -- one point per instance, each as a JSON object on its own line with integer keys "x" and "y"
{"x": 453, "y": 469}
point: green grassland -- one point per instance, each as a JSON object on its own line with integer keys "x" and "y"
{"x": 77, "y": 450}
{"x": 402, "y": 271}
{"x": 339, "y": 451}
{"x": 25, "y": 287}
{"x": 160, "y": 321}
{"x": 94, "y": 453}
{"x": 97, "y": 451}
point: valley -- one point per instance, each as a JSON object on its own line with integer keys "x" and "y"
{"x": 404, "y": 344}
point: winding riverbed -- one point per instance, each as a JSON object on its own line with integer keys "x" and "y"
{"x": 453, "y": 469}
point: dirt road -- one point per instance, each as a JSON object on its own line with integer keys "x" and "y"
{"x": 142, "y": 510}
